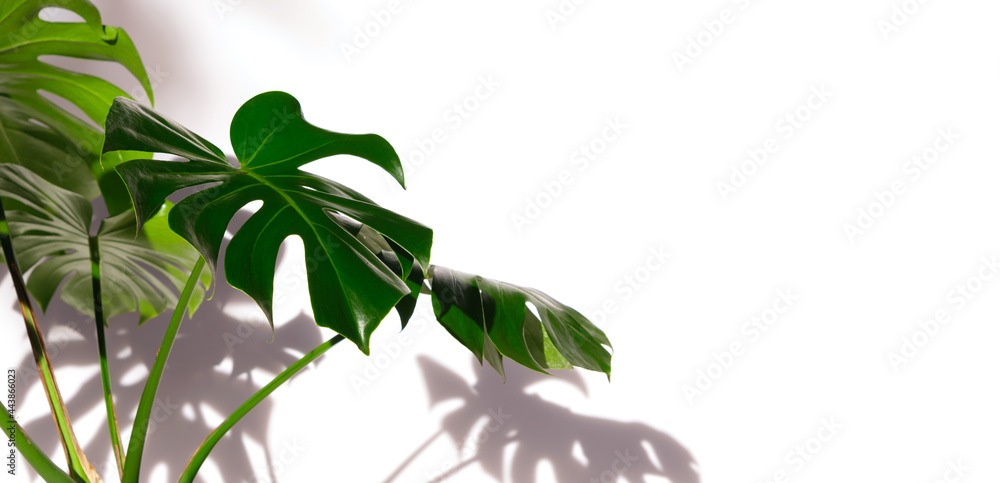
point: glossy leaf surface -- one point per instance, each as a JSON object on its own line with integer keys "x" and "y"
{"x": 496, "y": 319}
{"x": 350, "y": 284}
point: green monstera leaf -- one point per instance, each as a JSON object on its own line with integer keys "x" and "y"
{"x": 389, "y": 252}
{"x": 51, "y": 232}
{"x": 351, "y": 284}
{"x": 36, "y": 132}
{"x": 362, "y": 260}
{"x": 496, "y": 319}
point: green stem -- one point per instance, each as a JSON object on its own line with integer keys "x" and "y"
{"x": 102, "y": 350}
{"x": 137, "y": 442}
{"x": 206, "y": 447}
{"x": 80, "y": 468}
{"x": 34, "y": 456}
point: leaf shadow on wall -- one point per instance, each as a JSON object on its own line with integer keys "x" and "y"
{"x": 496, "y": 419}
{"x": 208, "y": 375}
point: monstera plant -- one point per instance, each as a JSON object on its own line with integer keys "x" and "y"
{"x": 150, "y": 255}
{"x": 53, "y": 171}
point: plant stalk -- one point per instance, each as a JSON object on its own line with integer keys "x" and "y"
{"x": 32, "y": 454}
{"x": 80, "y": 469}
{"x": 102, "y": 350}
{"x": 201, "y": 454}
{"x": 137, "y": 442}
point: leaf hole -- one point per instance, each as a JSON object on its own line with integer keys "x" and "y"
{"x": 346, "y": 222}
{"x": 182, "y": 193}
{"x": 237, "y": 221}
{"x": 59, "y": 15}
{"x": 533, "y": 309}
{"x": 291, "y": 287}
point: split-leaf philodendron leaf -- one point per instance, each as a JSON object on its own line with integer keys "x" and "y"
{"x": 51, "y": 232}
{"x": 362, "y": 260}
{"x": 350, "y": 287}
{"x": 493, "y": 319}
{"x": 36, "y": 132}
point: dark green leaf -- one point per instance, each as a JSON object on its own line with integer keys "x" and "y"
{"x": 351, "y": 284}
{"x": 398, "y": 260}
{"x": 493, "y": 319}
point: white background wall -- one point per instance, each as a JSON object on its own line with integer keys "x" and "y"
{"x": 689, "y": 116}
